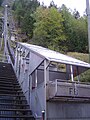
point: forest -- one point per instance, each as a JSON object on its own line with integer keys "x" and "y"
{"x": 57, "y": 28}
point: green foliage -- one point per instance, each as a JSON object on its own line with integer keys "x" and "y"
{"x": 23, "y": 13}
{"x": 48, "y": 31}
{"x": 1, "y": 2}
{"x": 85, "y": 77}
{"x": 19, "y": 14}
{"x": 28, "y": 24}
{"x": 58, "y": 29}
{"x": 52, "y": 4}
{"x": 75, "y": 30}
{"x": 81, "y": 56}
{"x": 76, "y": 14}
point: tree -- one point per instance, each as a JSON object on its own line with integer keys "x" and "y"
{"x": 75, "y": 31}
{"x": 1, "y": 2}
{"x": 23, "y": 12}
{"x": 59, "y": 29}
{"x": 48, "y": 31}
{"x": 28, "y": 24}
{"x": 76, "y": 14}
{"x": 31, "y": 5}
{"x": 52, "y": 4}
{"x": 19, "y": 11}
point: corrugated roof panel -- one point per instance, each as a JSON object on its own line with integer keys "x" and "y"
{"x": 55, "y": 56}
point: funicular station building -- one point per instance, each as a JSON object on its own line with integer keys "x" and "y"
{"x": 51, "y": 83}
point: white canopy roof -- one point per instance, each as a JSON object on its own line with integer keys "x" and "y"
{"x": 55, "y": 56}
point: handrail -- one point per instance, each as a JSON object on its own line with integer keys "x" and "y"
{"x": 68, "y": 81}
{"x": 76, "y": 82}
{"x": 10, "y": 53}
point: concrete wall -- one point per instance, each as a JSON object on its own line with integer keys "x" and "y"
{"x": 57, "y": 110}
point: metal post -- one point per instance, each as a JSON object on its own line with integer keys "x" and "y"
{"x": 35, "y": 78}
{"x": 56, "y": 86}
{"x": 16, "y": 59}
{"x": 88, "y": 16}
{"x": 30, "y": 91}
{"x": 5, "y": 31}
{"x": 71, "y": 68}
{"x": 43, "y": 115}
{"x": 1, "y": 42}
{"x": 45, "y": 80}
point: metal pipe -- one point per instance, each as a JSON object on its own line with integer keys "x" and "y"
{"x": 35, "y": 78}
{"x": 56, "y": 86}
{"x": 45, "y": 80}
{"x": 88, "y": 16}
{"x": 5, "y": 31}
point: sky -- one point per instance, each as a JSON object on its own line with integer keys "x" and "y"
{"x": 79, "y": 5}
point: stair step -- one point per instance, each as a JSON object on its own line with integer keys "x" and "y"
{"x": 11, "y": 92}
{"x": 9, "y": 85}
{"x": 13, "y": 104}
{"x": 12, "y": 78}
{"x": 19, "y": 110}
{"x": 8, "y": 79}
{"x": 12, "y": 100}
{"x": 7, "y": 82}
{"x": 18, "y": 116}
{"x": 11, "y": 95}
{"x": 9, "y": 88}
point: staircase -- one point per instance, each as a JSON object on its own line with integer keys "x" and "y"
{"x": 13, "y": 105}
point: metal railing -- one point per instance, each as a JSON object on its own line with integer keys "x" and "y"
{"x": 4, "y": 58}
{"x": 68, "y": 90}
{"x": 10, "y": 52}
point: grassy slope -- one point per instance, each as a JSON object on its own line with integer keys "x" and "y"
{"x": 80, "y": 56}
{"x": 85, "y": 77}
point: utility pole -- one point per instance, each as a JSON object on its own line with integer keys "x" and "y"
{"x": 5, "y": 31}
{"x": 88, "y": 16}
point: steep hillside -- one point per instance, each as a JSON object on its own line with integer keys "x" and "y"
{"x": 80, "y": 56}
